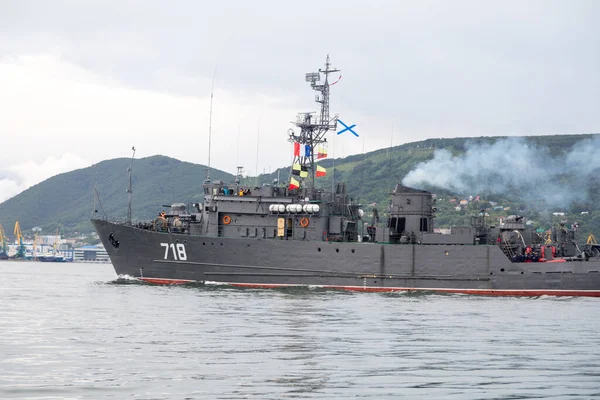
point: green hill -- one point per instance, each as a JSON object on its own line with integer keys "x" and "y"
{"x": 372, "y": 176}
{"x": 66, "y": 201}
{"x": 533, "y": 171}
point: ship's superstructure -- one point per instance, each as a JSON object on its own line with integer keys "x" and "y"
{"x": 297, "y": 234}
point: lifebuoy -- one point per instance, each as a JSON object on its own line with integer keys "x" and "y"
{"x": 304, "y": 222}
{"x": 227, "y": 220}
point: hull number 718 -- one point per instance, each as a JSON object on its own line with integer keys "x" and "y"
{"x": 177, "y": 250}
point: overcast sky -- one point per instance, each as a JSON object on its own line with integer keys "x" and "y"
{"x": 83, "y": 81}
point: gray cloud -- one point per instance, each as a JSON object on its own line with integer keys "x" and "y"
{"x": 431, "y": 68}
{"x": 434, "y": 66}
{"x": 10, "y": 176}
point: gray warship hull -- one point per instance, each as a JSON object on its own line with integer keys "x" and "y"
{"x": 298, "y": 234}
{"x": 471, "y": 269}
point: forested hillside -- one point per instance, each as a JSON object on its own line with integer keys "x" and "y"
{"x": 372, "y": 176}
{"x": 66, "y": 201}
{"x": 537, "y": 177}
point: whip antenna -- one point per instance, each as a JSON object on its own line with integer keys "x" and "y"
{"x": 212, "y": 93}
{"x": 257, "y": 144}
{"x": 390, "y": 158}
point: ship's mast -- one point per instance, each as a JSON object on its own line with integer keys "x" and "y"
{"x": 129, "y": 189}
{"x": 313, "y": 127}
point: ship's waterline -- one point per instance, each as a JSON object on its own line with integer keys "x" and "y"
{"x": 481, "y": 292}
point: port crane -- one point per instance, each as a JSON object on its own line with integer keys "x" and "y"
{"x": 3, "y": 243}
{"x": 55, "y": 244}
{"x": 19, "y": 238}
{"x": 35, "y": 244}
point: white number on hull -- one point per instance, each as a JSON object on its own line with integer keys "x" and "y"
{"x": 177, "y": 250}
{"x": 181, "y": 251}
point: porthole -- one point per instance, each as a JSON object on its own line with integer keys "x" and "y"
{"x": 501, "y": 269}
{"x": 337, "y": 250}
{"x": 353, "y": 250}
{"x": 319, "y": 249}
{"x": 203, "y": 243}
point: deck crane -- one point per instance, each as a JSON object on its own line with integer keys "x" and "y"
{"x": 19, "y": 238}
{"x": 35, "y": 244}
{"x": 55, "y": 244}
{"x": 3, "y": 244}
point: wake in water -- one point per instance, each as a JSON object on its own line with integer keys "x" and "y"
{"x": 221, "y": 286}
{"x": 295, "y": 290}
{"x": 210, "y": 286}
{"x": 126, "y": 280}
{"x": 132, "y": 280}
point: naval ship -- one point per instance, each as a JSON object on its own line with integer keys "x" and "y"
{"x": 297, "y": 234}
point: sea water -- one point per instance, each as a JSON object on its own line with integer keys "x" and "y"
{"x": 75, "y": 331}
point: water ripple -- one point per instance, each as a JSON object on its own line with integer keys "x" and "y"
{"x": 74, "y": 331}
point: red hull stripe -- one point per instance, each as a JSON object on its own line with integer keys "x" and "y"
{"x": 485, "y": 292}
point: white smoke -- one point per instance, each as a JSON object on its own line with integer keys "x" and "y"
{"x": 513, "y": 167}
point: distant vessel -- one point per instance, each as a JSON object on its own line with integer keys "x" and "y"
{"x": 52, "y": 258}
{"x": 299, "y": 235}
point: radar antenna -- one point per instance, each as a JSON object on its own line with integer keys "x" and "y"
{"x": 238, "y": 178}
{"x": 313, "y": 127}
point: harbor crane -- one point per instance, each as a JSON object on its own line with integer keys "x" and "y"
{"x": 35, "y": 245}
{"x": 55, "y": 244}
{"x": 3, "y": 244}
{"x": 19, "y": 238}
